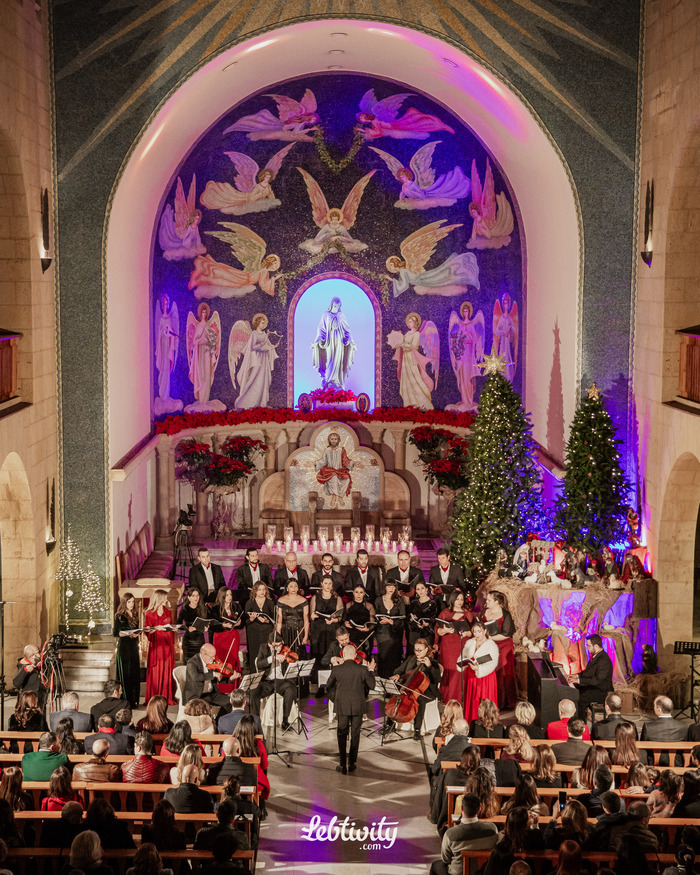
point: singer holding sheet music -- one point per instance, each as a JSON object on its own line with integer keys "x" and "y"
{"x": 128, "y": 664}
{"x": 224, "y": 634}
{"x": 161, "y": 649}
{"x": 293, "y": 619}
{"x": 390, "y": 613}
{"x": 260, "y": 615}
{"x": 452, "y": 627}
{"x": 360, "y": 619}
{"x": 193, "y": 638}
{"x": 481, "y": 656}
{"x": 326, "y": 614}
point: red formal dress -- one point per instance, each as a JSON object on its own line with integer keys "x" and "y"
{"x": 505, "y": 673}
{"x": 227, "y": 644}
{"x": 450, "y": 646}
{"x": 161, "y": 657}
{"x": 480, "y": 681}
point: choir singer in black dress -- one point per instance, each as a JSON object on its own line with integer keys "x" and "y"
{"x": 351, "y": 682}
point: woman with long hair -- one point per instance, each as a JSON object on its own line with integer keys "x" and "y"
{"x": 60, "y": 791}
{"x": 625, "y": 753}
{"x": 260, "y": 615}
{"x": 453, "y": 625}
{"x": 161, "y": 649}
{"x": 584, "y": 776}
{"x": 637, "y": 780}
{"x": 451, "y": 712}
{"x": 480, "y": 658}
{"x": 11, "y": 790}
{"x": 519, "y": 747}
{"x": 521, "y": 829}
{"x": 27, "y": 717}
{"x": 526, "y": 796}
{"x": 543, "y": 771}
{"x": 162, "y": 830}
{"x": 156, "y": 720}
{"x": 421, "y": 615}
{"x": 86, "y": 854}
{"x": 663, "y": 800}
{"x": 571, "y": 824}
{"x": 253, "y": 747}
{"x": 480, "y": 783}
{"x": 390, "y": 612}
{"x": 570, "y": 860}
{"x": 147, "y": 861}
{"x": 360, "y": 619}
{"x": 67, "y": 742}
{"x": 487, "y": 724}
{"x": 178, "y": 739}
{"x": 192, "y": 608}
{"x": 325, "y": 612}
{"x": 226, "y": 639}
{"x": 191, "y": 755}
{"x": 128, "y": 660}
{"x": 525, "y": 716}
{"x": 499, "y": 624}
{"x": 689, "y": 803}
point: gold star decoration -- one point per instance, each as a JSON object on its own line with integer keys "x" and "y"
{"x": 593, "y": 392}
{"x": 493, "y": 364}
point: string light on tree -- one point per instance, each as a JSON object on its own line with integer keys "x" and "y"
{"x": 90, "y": 601}
{"x": 69, "y": 573}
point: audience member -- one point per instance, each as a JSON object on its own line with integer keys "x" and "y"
{"x": 60, "y": 833}
{"x": 605, "y": 729}
{"x": 637, "y": 780}
{"x": 603, "y": 780}
{"x": 569, "y": 824}
{"x": 663, "y": 799}
{"x": 543, "y": 767}
{"x": 232, "y": 764}
{"x": 468, "y": 834}
{"x": 481, "y": 785}
{"x": 39, "y": 765}
{"x": 8, "y": 828}
{"x": 225, "y": 815}
{"x": 637, "y": 826}
{"x": 611, "y": 817}
{"x": 559, "y": 729}
{"x": 156, "y": 720}
{"x": 572, "y": 751}
{"x": 625, "y": 752}
{"x": 223, "y": 850}
{"x": 518, "y": 747}
{"x": 189, "y": 798}
{"x": 106, "y": 728}
{"x": 190, "y": 756}
{"x": 452, "y": 711}
{"x": 520, "y": 867}
{"x": 145, "y": 768}
{"x": 27, "y": 717}
{"x": 664, "y": 727}
{"x": 488, "y": 722}
{"x": 520, "y": 827}
{"x": 86, "y": 855}
{"x": 11, "y": 790}
{"x": 254, "y": 747}
{"x": 82, "y": 722}
{"x": 569, "y": 861}
{"x": 123, "y": 725}
{"x": 630, "y": 858}
{"x": 452, "y": 749}
{"x": 67, "y": 742}
{"x": 525, "y": 716}
{"x": 501, "y": 858}
{"x": 228, "y": 722}
{"x": 232, "y": 789}
{"x": 97, "y": 768}
{"x": 113, "y": 833}
{"x": 689, "y": 804}
{"x": 162, "y": 831}
{"x": 147, "y": 861}
{"x": 3, "y": 859}
{"x": 178, "y": 739}
{"x": 111, "y": 703}
{"x": 61, "y": 791}
{"x": 526, "y": 796}
{"x": 583, "y": 777}
{"x": 198, "y": 714}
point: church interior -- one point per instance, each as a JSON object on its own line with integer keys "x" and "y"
{"x": 252, "y": 254}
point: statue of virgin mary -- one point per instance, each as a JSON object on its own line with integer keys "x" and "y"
{"x": 333, "y": 350}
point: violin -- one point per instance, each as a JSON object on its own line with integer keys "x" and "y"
{"x": 402, "y": 708}
{"x": 225, "y": 669}
{"x": 288, "y": 653}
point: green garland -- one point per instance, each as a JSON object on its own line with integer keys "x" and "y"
{"x": 325, "y": 156}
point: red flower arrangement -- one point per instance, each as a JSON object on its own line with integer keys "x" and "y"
{"x": 443, "y": 455}
{"x": 207, "y": 469}
{"x": 329, "y": 395}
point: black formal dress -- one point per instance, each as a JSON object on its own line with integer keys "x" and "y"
{"x": 361, "y": 614}
{"x": 389, "y": 637}
{"x": 351, "y": 683}
{"x": 292, "y": 630}
{"x": 257, "y": 630}
{"x": 191, "y": 641}
{"x": 322, "y": 634}
{"x": 421, "y": 620}
{"x": 128, "y": 661}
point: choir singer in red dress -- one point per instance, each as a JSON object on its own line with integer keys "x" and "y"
{"x": 480, "y": 660}
{"x": 161, "y": 649}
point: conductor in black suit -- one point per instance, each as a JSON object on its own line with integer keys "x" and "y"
{"x": 200, "y": 682}
{"x": 252, "y": 571}
{"x": 363, "y": 574}
{"x": 207, "y": 577}
{"x": 351, "y": 682}
{"x": 595, "y": 681}
{"x": 404, "y": 576}
{"x": 291, "y": 571}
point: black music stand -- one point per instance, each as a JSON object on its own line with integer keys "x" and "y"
{"x": 691, "y": 649}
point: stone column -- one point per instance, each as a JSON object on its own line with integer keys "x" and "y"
{"x": 164, "y": 474}
{"x": 201, "y": 524}
{"x": 399, "y": 448}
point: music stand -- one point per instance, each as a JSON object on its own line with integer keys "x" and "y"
{"x": 251, "y": 681}
{"x": 389, "y": 688}
{"x": 300, "y": 669}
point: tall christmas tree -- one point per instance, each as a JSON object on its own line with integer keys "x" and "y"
{"x": 592, "y": 509}
{"x": 503, "y": 502}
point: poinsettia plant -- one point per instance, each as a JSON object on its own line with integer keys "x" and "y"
{"x": 443, "y": 456}
{"x": 329, "y": 395}
{"x": 200, "y": 465}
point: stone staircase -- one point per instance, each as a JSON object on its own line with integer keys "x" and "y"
{"x": 87, "y": 669}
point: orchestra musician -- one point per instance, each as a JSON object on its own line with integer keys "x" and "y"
{"x": 193, "y": 638}
{"x": 206, "y": 576}
{"x": 364, "y": 574}
{"x": 360, "y": 619}
{"x": 326, "y": 612}
{"x": 404, "y": 576}
{"x": 28, "y": 677}
{"x": 326, "y": 570}
{"x": 480, "y": 660}
{"x": 422, "y": 661}
{"x": 452, "y": 626}
{"x": 251, "y": 572}
{"x": 334, "y": 654}
{"x": 446, "y": 576}
{"x": 272, "y": 659}
{"x": 291, "y": 571}
{"x": 421, "y": 615}
{"x": 351, "y": 682}
{"x": 390, "y": 613}
{"x": 260, "y": 615}
{"x": 499, "y": 624}
{"x": 201, "y": 680}
{"x": 128, "y": 660}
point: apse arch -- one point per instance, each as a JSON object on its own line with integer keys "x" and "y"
{"x": 498, "y": 116}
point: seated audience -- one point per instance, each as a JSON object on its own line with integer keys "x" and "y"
{"x": 603, "y": 780}
{"x": 198, "y": 715}
{"x": 106, "y": 729}
{"x": 232, "y": 789}
{"x": 190, "y": 756}
{"x": 525, "y": 716}
{"x": 156, "y": 720}
{"x": 11, "y": 790}
{"x": 611, "y": 817}
{"x": 570, "y": 861}
{"x": 664, "y": 728}
{"x": 695, "y": 757}
{"x": 569, "y": 824}
{"x": 145, "y": 768}
{"x": 526, "y": 796}
{"x": 178, "y": 739}
{"x": 518, "y": 747}
{"x": 60, "y": 791}
{"x": 469, "y": 833}
{"x": 452, "y": 711}
{"x": 584, "y": 777}
{"x": 543, "y": 767}
{"x": 113, "y": 833}
{"x": 637, "y": 826}
{"x": 123, "y": 724}
{"x": 82, "y": 722}
{"x": 520, "y": 827}
{"x": 605, "y": 729}
{"x": 39, "y": 765}
{"x": 501, "y": 858}
{"x": 147, "y": 861}
{"x": 454, "y": 745}
{"x": 8, "y": 828}
{"x": 162, "y": 831}
{"x": 637, "y": 780}
{"x": 559, "y": 729}
{"x": 520, "y": 867}
{"x": 469, "y": 762}
{"x": 625, "y": 752}
{"x": 27, "y": 717}
{"x": 631, "y": 858}
{"x": 97, "y": 768}
{"x": 67, "y": 742}
{"x": 481, "y": 785}
{"x": 232, "y": 764}
{"x": 488, "y": 722}
{"x": 663, "y": 799}
{"x": 111, "y": 703}
{"x": 228, "y": 722}
{"x": 189, "y": 798}
{"x": 572, "y": 751}
{"x": 225, "y": 815}
{"x": 253, "y": 747}
{"x": 86, "y": 855}
{"x": 223, "y": 850}
{"x": 60, "y": 833}
{"x": 689, "y": 804}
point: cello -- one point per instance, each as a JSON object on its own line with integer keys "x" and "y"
{"x": 402, "y": 708}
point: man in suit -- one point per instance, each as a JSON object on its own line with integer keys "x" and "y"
{"x": 251, "y": 572}
{"x": 558, "y": 730}
{"x": 272, "y": 661}
{"x": 111, "y": 703}
{"x": 207, "y": 577}
{"x": 351, "y": 682}
{"x": 334, "y": 654}
{"x": 572, "y": 751}
{"x": 664, "y": 728}
{"x": 71, "y": 703}
{"x": 227, "y": 723}
{"x": 232, "y": 764}
{"x": 291, "y": 571}
{"x": 200, "y": 682}
{"x": 326, "y": 570}
{"x": 446, "y": 575}
{"x": 118, "y": 743}
{"x": 189, "y": 798}
{"x": 605, "y": 729}
{"x": 595, "y": 681}
{"x": 404, "y": 576}
{"x": 363, "y": 574}
{"x": 454, "y": 746}
{"x": 469, "y": 834}
{"x": 225, "y": 815}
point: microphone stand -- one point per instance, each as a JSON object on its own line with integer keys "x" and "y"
{"x": 275, "y": 667}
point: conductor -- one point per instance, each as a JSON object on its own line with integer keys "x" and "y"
{"x": 351, "y": 683}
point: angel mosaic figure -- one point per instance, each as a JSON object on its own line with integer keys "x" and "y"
{"x": 419, "y": 188}
{"x": 167, "y": 323}
{"x": 466, "y": 339}
{"x": 203, "y": 349}
{"x": 334, "y": 223}
{"x": 292, "y": 122}
{"x": 415, "y": 383}
{"x": 493, "y": 217}
{"x": 259, "y": 352}
{"x": 333, "y": 350}
{"x": 505, "y": 333}
{"x": 379, "y": 118}
{"x": 179, "y": 232}
{"x": 253, "y": 186}
{"x": 212, "y": 279}
{"x": 452, "y": 277}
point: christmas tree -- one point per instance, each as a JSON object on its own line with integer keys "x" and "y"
{"x": 91, "y": 602}
{"x": 69, "y": 574}
{"x": 592, "y": 509}
{"x": 503, "y": 501}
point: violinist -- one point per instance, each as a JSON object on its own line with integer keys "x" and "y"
{"x": 421, "y": 615}
{"x": 445, "y": 577}
{"x": 334, "y": 654}
{"x": 408, "y": 673}
{"x": 293, "y": 619}
{"x": 350, "y": 682}
{"x": 202, "y": 677}
{"x": 273, "y": 660}
{"x": 404, "y": 576}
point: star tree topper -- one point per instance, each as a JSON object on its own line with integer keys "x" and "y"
{"x": 593, "y": 392}
{"x": 494, "y": 364}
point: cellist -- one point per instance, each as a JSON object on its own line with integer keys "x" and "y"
{"x": 421, "y": 661}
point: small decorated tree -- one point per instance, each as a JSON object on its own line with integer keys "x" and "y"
{"x": 503, "y": 502}
{"x": 592, "y": 509}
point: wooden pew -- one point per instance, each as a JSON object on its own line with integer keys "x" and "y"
{"x": 565, "y": 770}
{"x": 600, "y": 858}
{"x": 214, "y": 740}
{"x": 122, "y": 858}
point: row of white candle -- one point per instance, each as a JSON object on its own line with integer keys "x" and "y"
{"x": 322, "y": 545}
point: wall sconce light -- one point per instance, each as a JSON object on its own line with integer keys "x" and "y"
{"x": 648, "y": 252}
{"x": 45, "y": 258}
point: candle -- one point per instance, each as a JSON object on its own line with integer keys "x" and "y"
{"x": 393, "y": 546}
{"x": 347, "y": 546}
{"x": 279, "y": 545}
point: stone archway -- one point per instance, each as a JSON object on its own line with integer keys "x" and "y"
{"x": 676, "y": 560}
{"x": 26, "y": 616}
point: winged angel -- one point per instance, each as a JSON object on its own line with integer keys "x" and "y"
{"x": 167, "y": 322}
{"x": 292, "y": 122}
{"x": 258, "y": 349}
{"x": 493, "y": 217}
{"x": 203, "y": 350}
{"x": 179, "y": 228}
{"x": 379, "y": 118}
{"x": 466, "y": 340}
{"x": 451, "y": 278}
{"x": 253, "y": 187}
{"x": 506, "y": 330}
{"x": 211, "y": 279}
{"x": 334, "y": 223}
{"x": 415, "y": 383}
{"x": 419, "y": 188}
